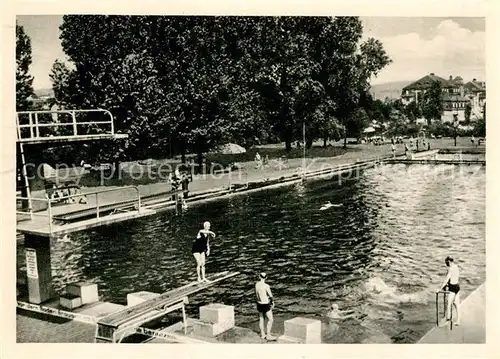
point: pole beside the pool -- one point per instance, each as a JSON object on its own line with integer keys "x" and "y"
{"x": 437, "y": 310}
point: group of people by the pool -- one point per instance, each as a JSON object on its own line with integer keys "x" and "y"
{"x": 264, "y": 297}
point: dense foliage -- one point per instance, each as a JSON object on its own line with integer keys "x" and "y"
{"x": 432, "y": 106}
{"x": 24, "y": 81}
{"x": 187, "y": 84}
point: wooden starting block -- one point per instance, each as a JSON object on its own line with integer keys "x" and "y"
{"x": 116, "y": 326}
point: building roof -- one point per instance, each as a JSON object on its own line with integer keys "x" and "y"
{"x": 475, "y": 86}
{"x": 426, "y": 81}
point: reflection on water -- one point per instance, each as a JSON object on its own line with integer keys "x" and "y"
{"x": 380, "y": 254}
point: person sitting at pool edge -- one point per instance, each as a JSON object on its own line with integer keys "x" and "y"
{"x": 265, "y": 306}
{"x": 451, "y": 281}
{"x": 201, "y": 250}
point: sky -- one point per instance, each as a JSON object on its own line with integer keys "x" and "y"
{"x": 416, "y": 45}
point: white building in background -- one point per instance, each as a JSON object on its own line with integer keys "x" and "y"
{"x": 456, "y": 96}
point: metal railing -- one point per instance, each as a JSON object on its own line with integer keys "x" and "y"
{"x": 97, "y": 207}
{"x": 445, "y": 304}
{"x": 33, "y": 214}
{"x": 35, "y": 126}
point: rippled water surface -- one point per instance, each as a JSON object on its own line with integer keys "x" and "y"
{"x": 381, "y": 253}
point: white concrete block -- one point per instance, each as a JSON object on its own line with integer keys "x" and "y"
{"x": 220, "y": 314}
{"x": 85, "y": 290}
{"x": 69, "y": 301}
{"x": 140, "y": 297}
{"x": 289, "y": 340}
{"x": 208, "y": 330}
{"x": 306, "y": 330}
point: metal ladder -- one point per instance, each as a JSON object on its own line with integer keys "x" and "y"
{"x": 445, "y": 299}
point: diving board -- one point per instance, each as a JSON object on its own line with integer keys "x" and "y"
{"x": 114, "y": 327}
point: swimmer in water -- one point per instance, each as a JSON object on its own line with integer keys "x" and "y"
{"x": 335, "y": 313}
{"x": 451, "y": 281}
{"x": 201, "y": 250}
{"x": 265, "y": 307}
{"x": 64, "y": 239}
{"x": 328, "y": 205}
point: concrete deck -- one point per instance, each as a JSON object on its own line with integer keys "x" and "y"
{"x": 472, "y": 328}
{"x": 437, "y": 162}
{"x": 40, "y": 226}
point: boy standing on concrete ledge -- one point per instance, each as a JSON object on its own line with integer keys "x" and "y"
{"x": 264, "y": 307}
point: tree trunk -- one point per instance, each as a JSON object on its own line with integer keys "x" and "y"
{"x": 325, "y": 141}
{"x": 116, "y": 169}
{"x": 309, "y": 143}
{"x": 345, "y": 141}
{"x": 199, "y": 161}
{"x": 183, "y": 153}
{"x": 288, "y": 139}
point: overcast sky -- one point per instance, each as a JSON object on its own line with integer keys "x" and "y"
{"x": 417, "y": 46}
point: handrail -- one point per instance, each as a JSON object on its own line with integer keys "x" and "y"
{"x": 65, "y": 124}
{"x": 50, "y": 201}
{"x": 32, "y": 198}
{"x": 97, "y": 192}
{"x": 36, "y": 125}
{"x": 445, "y": 294}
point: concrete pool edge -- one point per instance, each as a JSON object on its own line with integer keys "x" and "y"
{"x": 472, "y": 329}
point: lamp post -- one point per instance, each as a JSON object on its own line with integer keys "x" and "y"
{"x": 455, "y": 121}
{"x": 304, "y": 148}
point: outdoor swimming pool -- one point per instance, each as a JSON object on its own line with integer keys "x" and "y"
{"x": 386, "y": 244}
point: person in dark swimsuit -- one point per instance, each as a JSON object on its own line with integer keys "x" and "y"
{"x": 201, "y": 250}
{"x": 265, "y": 304}
{"x": 450, "y": 283}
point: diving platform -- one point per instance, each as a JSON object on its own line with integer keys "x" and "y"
{"x": 114, "y": 327}
{"x": 37, "y": 127}
{"x": 112, "y": 323}
{"x": 52, "y": 128}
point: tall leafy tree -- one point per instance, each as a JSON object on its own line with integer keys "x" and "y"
{"x": 432, "y": 105}
{"x": 113, "y": 69}
{"x": 358, "y": 64}
{"x": 413, "y": 111}
{"x": 24, "y": 81}
{"x": 467, "y": 112}
{"x": 193, "y": 60}
{"x": 60, "y": 75}
{"x": 480, "y": 125}
{"x": 193, "y": 82}
{"x": 284, "y": 73}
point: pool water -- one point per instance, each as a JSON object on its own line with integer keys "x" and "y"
{"x": 381, "y": 253}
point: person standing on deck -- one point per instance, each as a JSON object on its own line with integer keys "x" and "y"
{"x": 451, "y": 281}
{"x": 201, "y": 250}
{"x": 264, "y": 307}
{"x": 258, "y": 160}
